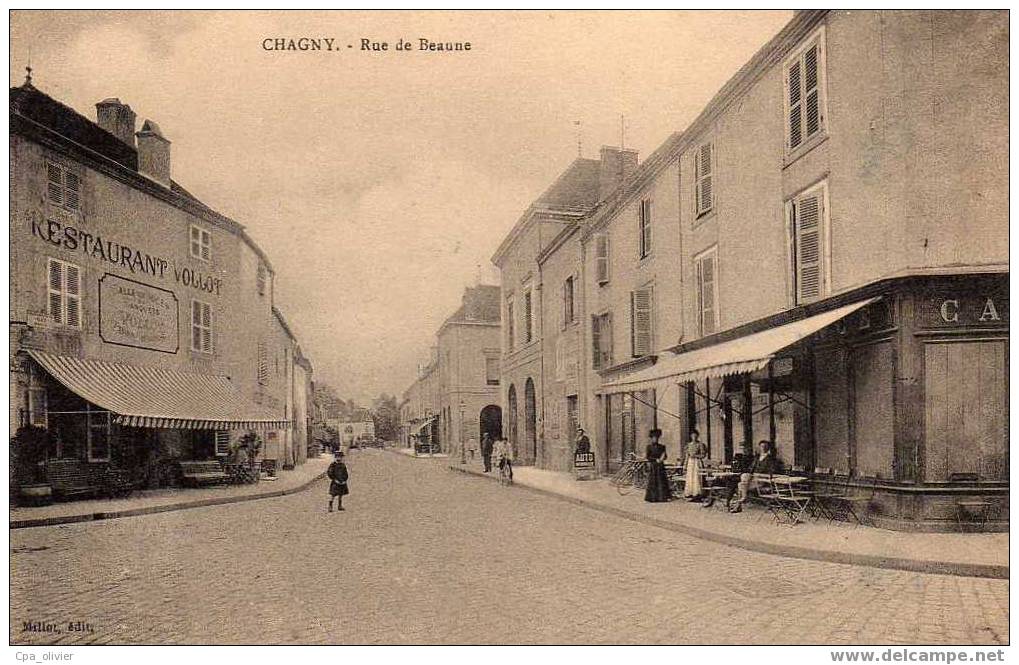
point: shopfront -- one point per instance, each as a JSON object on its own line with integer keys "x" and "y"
{"x": 901, "y": 388}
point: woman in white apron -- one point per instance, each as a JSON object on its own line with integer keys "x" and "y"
{"x": 696, "y": 451}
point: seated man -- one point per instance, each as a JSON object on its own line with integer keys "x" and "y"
{"x": 765, "y": 462}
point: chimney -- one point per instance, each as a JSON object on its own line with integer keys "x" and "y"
{"x": 617, "y": 164}
{"x": 154, "y": 154}
{"x": 117, "y": 119}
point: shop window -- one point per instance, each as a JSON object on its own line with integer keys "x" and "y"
{"x": 872, "y": 388}
{"x": 805, "y": 102}
{"x": 63, "y": 186}
{"x": 706, "y": 267}
{"x": 644, "y": 228}
{"x": 64, "y": 293}
{"x": 601, "y": 340}
{"x": 201, "y": 243}
{"x": 966, "y": 409}
{"x": 641, "y": 321}
{"x": 37, "y": 406}
{"x": 832, "y": 399}
{"x": 704, "y": 196}
{"x": 222, "y": 443}
{"x": 201, "y": 326}
{"x": 98, "y": 436}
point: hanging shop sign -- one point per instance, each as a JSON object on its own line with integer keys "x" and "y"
{"x": 139, "y": 315}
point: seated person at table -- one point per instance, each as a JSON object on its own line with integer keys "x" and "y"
{"x": 765, "y": 463}
{"x": 741, "y": 463}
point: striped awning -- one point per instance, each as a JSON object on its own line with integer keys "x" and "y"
{"x": 159, "y": 398}
{"x": 737, "y": 356}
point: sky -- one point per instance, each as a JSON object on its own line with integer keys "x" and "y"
{"x": 380, "y": 183}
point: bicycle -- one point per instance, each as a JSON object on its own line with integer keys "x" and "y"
{"x": 632, "y": 474}
{"x": 506, "y": 472}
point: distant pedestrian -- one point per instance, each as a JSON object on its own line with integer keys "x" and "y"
{"x": 486, "y": 451}
{"x": 472, "y": 447}
{"x": 338, "y": 486}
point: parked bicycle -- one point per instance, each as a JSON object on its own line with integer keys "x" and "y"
{"x": 632, "y": 474}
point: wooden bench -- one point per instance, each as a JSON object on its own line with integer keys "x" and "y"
{"x": 72, "y": 478}
{"x": 197, "y": 473}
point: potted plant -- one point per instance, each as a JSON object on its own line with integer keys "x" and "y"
{"x": 29, "y": 448}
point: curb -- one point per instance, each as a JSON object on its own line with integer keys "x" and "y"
{"x": 792, "y": 551}
{"x": 164, "y": 508}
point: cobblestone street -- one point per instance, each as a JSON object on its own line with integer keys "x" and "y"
{"x": 424, "y": 555}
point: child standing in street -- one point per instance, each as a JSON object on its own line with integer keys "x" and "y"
{"x": 338, "y": 486}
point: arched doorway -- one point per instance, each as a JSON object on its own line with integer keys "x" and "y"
{"x": 511, "y": 430}
{"x": 490, "y": 421}
{"x": 530, "y": 422}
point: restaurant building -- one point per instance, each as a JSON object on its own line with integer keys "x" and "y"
{"x": 142, "y": 323}
{"x": 839, "y": 283}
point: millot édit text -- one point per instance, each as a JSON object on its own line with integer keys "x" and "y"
{"x": 365, "y": 44}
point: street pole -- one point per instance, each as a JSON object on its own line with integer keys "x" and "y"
{"x": 463, "y": 453}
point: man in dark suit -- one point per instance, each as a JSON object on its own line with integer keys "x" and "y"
{"x": 486, "y": 451}
{"x": 765, "y": 463}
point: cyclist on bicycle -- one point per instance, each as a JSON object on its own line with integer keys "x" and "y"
{"x": 503, "y": 454}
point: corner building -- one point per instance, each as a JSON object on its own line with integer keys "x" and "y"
{"x": 142, "y": 325}
{"x": 839, "y": 283}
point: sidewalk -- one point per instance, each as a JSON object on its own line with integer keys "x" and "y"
{"x": 409, "y": 452}
{"x": 965, "y": 554}
{"x": 145, "y": 502}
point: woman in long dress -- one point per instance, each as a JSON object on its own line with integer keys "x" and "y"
{"x": 696, "y": 451}
{"x": 657, "y": 481}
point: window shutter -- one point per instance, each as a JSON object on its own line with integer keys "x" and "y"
{"x": 795, "y": 105}
{"x": 807, "y": 213}
{"x": 55, "y": 291}
{"x": 601, "y": 258}
{"x": 222, "y": 443}
{"x": 810, "y": 88}
{"x": 704, "y": 178}
{"x": 207, "y": 328}
{"x": 596, "y": 341}
{"x": 706, "y": 293}
{"x": 607, "y": 340}
{"x": 640, "y": 308}
{"x": 55, "y": 185}
{"x": 73, "y": 295}
{"x": 206, "y": 244}
{"x": 71, "y": 190}
{"x": 37, "y": 410}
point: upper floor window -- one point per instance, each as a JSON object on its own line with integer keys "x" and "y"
{"x": 528, "y": 317}
{"x": 491, "y": 371}
{"x": 261, "y": 278}
{"x": 641, "y": 321}
{"x": 706, "y": 265}
{"x": 63, "y": 302}
{"x": 808, "y": 223}
{"x": 601, "y": 258}
{"x": 201, "y": 243}
{"x": 63, "y": 187}
{"x": 704, "y": 168}
{"x": 644, "y": 227}
{"x": 601, "y": 340}
{"x": 511, "y": 326}
{"x": 201, "y": 326}
{"x": 569, "y": 313}
{"x": 805, "y": 102}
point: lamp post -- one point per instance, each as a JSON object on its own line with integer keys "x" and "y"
{"x": 463, "y": 453}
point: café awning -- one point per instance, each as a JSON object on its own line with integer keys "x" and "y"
{"x": 737, "y": 356}
{"x": 159, "y": 398}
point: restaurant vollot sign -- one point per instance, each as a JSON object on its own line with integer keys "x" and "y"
{"x": 139, "y": 315}
{"x": 135, "y": 260}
